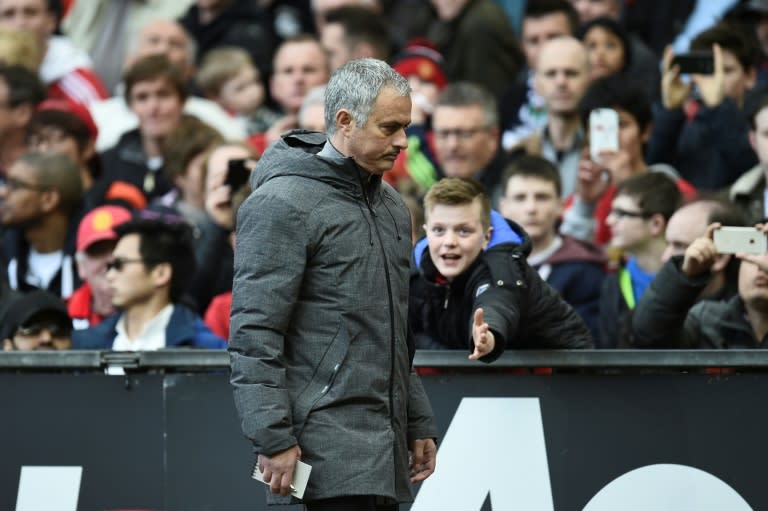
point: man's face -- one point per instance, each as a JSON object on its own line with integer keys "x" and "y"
{"x": 334, "y": 42}
{"x": 464, "y": 141}
{"x": 533, "y": 203}
{"x": 46, "y": 330}
{"x": 631, "y": 227}
{"x": 28, "y": 16}
{"x": 737, "y": 79}
{"x": 456, "y": 237}
{"x": 591, "y": 9}
{"x": 375, "y": 145}
{"x": 753, "y": 284}
{"x": 562, "y": 75}
{"x": 132, "y": 284}
{"x": 167, "y": 38}
{"x": 243, "y": 93}
{"x": 631, "y": 138}
{"x": 298, "y": 67}
{"x": 54, "y": 140}
{"x": 22, "y": 196}
{"x": 759, "y": 137}
{"x": 92, "y": 267}
{"x": 684, "y": 226}
{"x": 157, "y": 105}
{"x": 537, "y": 31}
{"x": 448, "y": 9}
{"x": 606, "y": 52}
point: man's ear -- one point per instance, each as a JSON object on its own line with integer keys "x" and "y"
{"x": 645, "y": 136}
{"x": 22, "y": 114}
{"x": 89, "y": 150}
{"x": 753, "y": 140}
{"x": 50, "y": 199}
{"x": 7, "y": 345}
{"x": 658, "y": 224}
{"x": 344, "y": 121}
{"x": 161, "y": 274}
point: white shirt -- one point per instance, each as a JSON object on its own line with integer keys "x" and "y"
{"x": 152, "y": 337}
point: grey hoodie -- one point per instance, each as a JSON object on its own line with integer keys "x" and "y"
{"x": 320, "y": 350}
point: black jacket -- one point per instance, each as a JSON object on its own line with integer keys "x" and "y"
{"x": 522, "y": 310}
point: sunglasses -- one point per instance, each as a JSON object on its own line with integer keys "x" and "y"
{"x": 118, "y": 263}
{"x": 55, "y": 329}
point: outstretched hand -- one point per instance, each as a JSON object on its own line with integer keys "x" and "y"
{"x": 482, "y": 336}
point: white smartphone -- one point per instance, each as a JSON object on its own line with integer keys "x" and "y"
{"x": 603, "y": 131}
{"x": 746, "y": 240}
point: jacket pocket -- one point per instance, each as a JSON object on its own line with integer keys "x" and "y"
{"x": 322, "y": 380}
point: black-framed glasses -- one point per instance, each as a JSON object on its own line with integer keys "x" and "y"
{"x": 12, "y": 183}
{"x": 118, "y": 263}
{"x": 55, "y": 329}
{"x": 623, "y": 213}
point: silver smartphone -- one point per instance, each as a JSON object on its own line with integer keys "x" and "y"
{"x": 747, "y": 240}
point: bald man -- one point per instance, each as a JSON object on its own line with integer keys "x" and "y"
{"x": 561, "y": 78}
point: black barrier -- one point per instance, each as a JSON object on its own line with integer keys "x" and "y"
{"x": 165, "y": 435}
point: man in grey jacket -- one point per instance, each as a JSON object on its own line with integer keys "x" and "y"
{"x": 320, "y": 350}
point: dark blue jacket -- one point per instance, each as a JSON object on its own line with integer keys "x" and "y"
{"x": 185, "y": 329}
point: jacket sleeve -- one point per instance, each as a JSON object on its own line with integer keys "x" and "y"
{"x": 550, "y": 323}
{"x": 659, "y": 320}
{"x": 526, "y": 311}
{"x": 667, "y": 125}
{"x": 421, "y": 420}
{"x": 270, "y": 258}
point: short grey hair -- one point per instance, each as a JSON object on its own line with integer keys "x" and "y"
{"x": 463, "y": 94}
{"x": 59, "y": 172}
{"x": 355, "y": 86}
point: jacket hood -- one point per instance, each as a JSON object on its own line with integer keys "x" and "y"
{"x": 504, "y": 232}
{"x": 61, "y": 58}
{"x": 283, "y": 159}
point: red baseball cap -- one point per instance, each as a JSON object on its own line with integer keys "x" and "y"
{"x": 76, "y": 109}
{"x": 99, "y": 225}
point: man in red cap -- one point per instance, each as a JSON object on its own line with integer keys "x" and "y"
{"x": 63, "y": 127}
{"x": 96, "y": 238}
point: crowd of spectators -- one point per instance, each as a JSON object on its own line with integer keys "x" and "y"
{"x": 124, "y": 126}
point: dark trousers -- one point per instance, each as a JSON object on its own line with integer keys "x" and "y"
{"x": 363, "y": 503}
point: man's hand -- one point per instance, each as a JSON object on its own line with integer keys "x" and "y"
{"x": 423, "y": 457}
{"x": 280, "y": 126}
{"x": 712, "y": 87}
{"x": 482, "y": 336}
{"x": 700, "y": 255}
{"x": 592, "y": 180}
{"x": 277, "y": 469}
{"x": 673, "y": 90}
{"x": 759, "y": 260}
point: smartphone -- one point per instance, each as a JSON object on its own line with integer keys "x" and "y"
{"x": 695, "y": 62}
{"x": 603, "y": 131}
{"x": 747, "y": 240}
{"x": 237, "y": 174}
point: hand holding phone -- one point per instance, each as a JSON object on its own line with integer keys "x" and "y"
{"x": 603, "y": 132}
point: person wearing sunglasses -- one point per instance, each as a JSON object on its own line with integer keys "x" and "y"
{"x": 35, "y": 321}
{"x": 148, "y": 273}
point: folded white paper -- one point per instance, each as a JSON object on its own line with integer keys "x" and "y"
{"x": 300, "y": 478}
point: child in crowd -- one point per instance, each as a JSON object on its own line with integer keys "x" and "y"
{"x": 575, "y": 268}
{"x": 228, "y": 76}
{"x": 473, "y": 288}
{"x": 638, "y": 218}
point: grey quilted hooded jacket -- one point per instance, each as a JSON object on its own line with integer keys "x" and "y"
{"x": 320, "y": 351}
